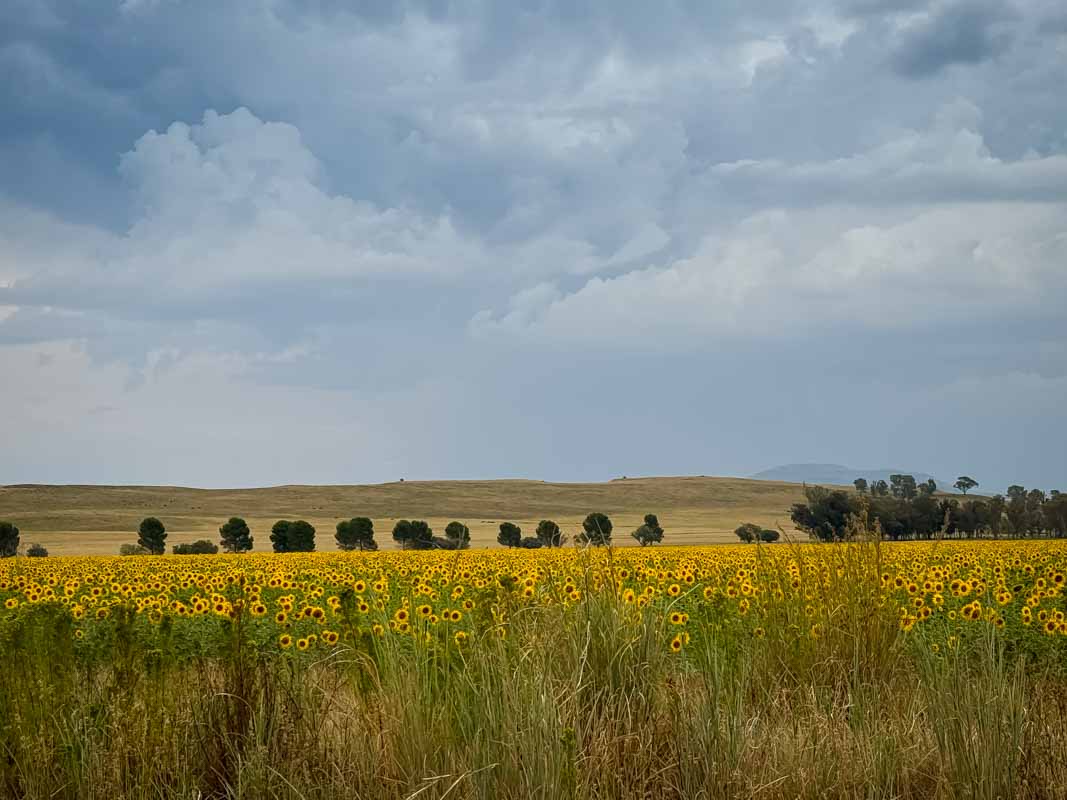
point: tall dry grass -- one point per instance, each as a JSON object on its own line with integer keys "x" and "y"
{"x": 579, "y": 702}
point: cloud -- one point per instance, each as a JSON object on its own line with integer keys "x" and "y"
{"x": 228, "y": 206}
{"x": 961, "y": 32}
{"x": 451, "y": 230}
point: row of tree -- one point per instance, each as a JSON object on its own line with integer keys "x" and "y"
{"x": 294, "y": 536}
{"x": 903, "y": 509}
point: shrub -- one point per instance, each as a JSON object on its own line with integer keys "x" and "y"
{"x": 510, "y": 534}
{"x": 199, "y": 547}
{"x": 596, "y": 530}
{"x": 152, "y": 536}
{"x": 9, "y": 540}
{"x": 530, "y": 543}
{"x": 36, "y": 551}
{"x": 132, "y": 550}
{"x": 235, "y": 536}
{"x": 768, "y": 535}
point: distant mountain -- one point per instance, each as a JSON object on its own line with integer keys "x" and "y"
{"x": 838, "y": 475}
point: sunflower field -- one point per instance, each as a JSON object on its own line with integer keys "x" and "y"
{"x": 925, "y": 669}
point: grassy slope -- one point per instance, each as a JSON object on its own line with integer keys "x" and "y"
{"x": 72, "y": 520}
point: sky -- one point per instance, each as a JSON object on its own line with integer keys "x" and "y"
{"x": 314, "y": 241}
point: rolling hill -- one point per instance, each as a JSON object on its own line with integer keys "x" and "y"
{"x": 71, "y": 520}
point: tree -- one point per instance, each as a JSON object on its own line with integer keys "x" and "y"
{"x": 413, "y": 534}
{"x": 997, "y": 507}
{"x": 510, "y": 534}
{"x": 459, "y": 534}
{"x": 9, "y": 540}
{"x": 903, "y": 486}
{"x": 292, "y": 537}
{"x": 826, "y": 514}
{"x": 880, "y": 489}
{"x": 356, "y": 534}
{"x": 768, "y": 535}
{"x": 199, "y": 547}
{"x": 36, "y": 551}
{"x": 861, "y": 485}
{"x": 530, "y": 543}
{"x": 152, "y": 536}
{"x": 928, "y": 488}
{"x": 1055, "y": 513}
{"x": 550, "y": 534}
{"x": 596, "y": 530}
{"x": 235, "y": 537}
{"x": 965, "y": 483}
{"x": 132, "y": 550}
{"x": 747, "y": 532}
{"x": 650, "y": 532}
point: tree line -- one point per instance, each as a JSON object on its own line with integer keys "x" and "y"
{"x": 903, "y": 509}
{"x": 295, "y": 536}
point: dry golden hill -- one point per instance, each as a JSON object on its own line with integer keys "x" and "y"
{"x": 71, "y": 520}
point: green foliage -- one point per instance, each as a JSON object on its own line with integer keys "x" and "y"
{"x": 903, "y": 486}
{"x": 596, "y": 530}
{"x": 530, "y": 543}
{"x": 132, "y": 550}
{"x": 650, "y": 532}
{"x": 459, "y": 534}
{"x": 413, "y": 534}
{"x": 965, "y": 483}
{"x": 356, "y": 534}
{"x": 36, "y": 551}
{"x": 747, "y": 532}
{"x": 9, "y": 540}
{"x": 292, "y": 537}
{"x": 826, "y": 514}
{"x": 768, "y": 535}
{"x": 235, "y": 536}
{"x": 861, "y": 485}
{"x": 199, "y": 547}
{"x": 510, "y": 534}
{"x": 152, "y": 536}
{"x": 550, "y": 534}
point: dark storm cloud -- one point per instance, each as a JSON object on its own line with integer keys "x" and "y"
{"x": 964, "y": 32}
{"x": 458, "y": 229}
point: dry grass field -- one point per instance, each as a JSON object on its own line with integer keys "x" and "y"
{"x": 88, "y": 520}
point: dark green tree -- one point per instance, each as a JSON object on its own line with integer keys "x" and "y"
{"x": 596, "y": 530}
{"x": 903, "y": 486}
{"x": 549, "y": 533}
{"x": 36, "y": 551}
{"x": 459, "y": 534}
{"x": 9, "y": 540}
{"x": 965, "y": 483}
{"x": 747, "y": 532}
{"x": 826, "y": 514}
{"x": 292, "y": 537}
{"x": 650, "y": 532}
{"x": 880, "y": 489}
{"x": 861, "y": 485}
{"x": 928, "y": 488}
{"x": 413, "y": 534}
{"x": 769, "y": 535}
{"x": 510, "y": 534}
{"x": 152, "y": 536}
{"x": 356, "y": 534}
{"x": 235, "y": 537}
